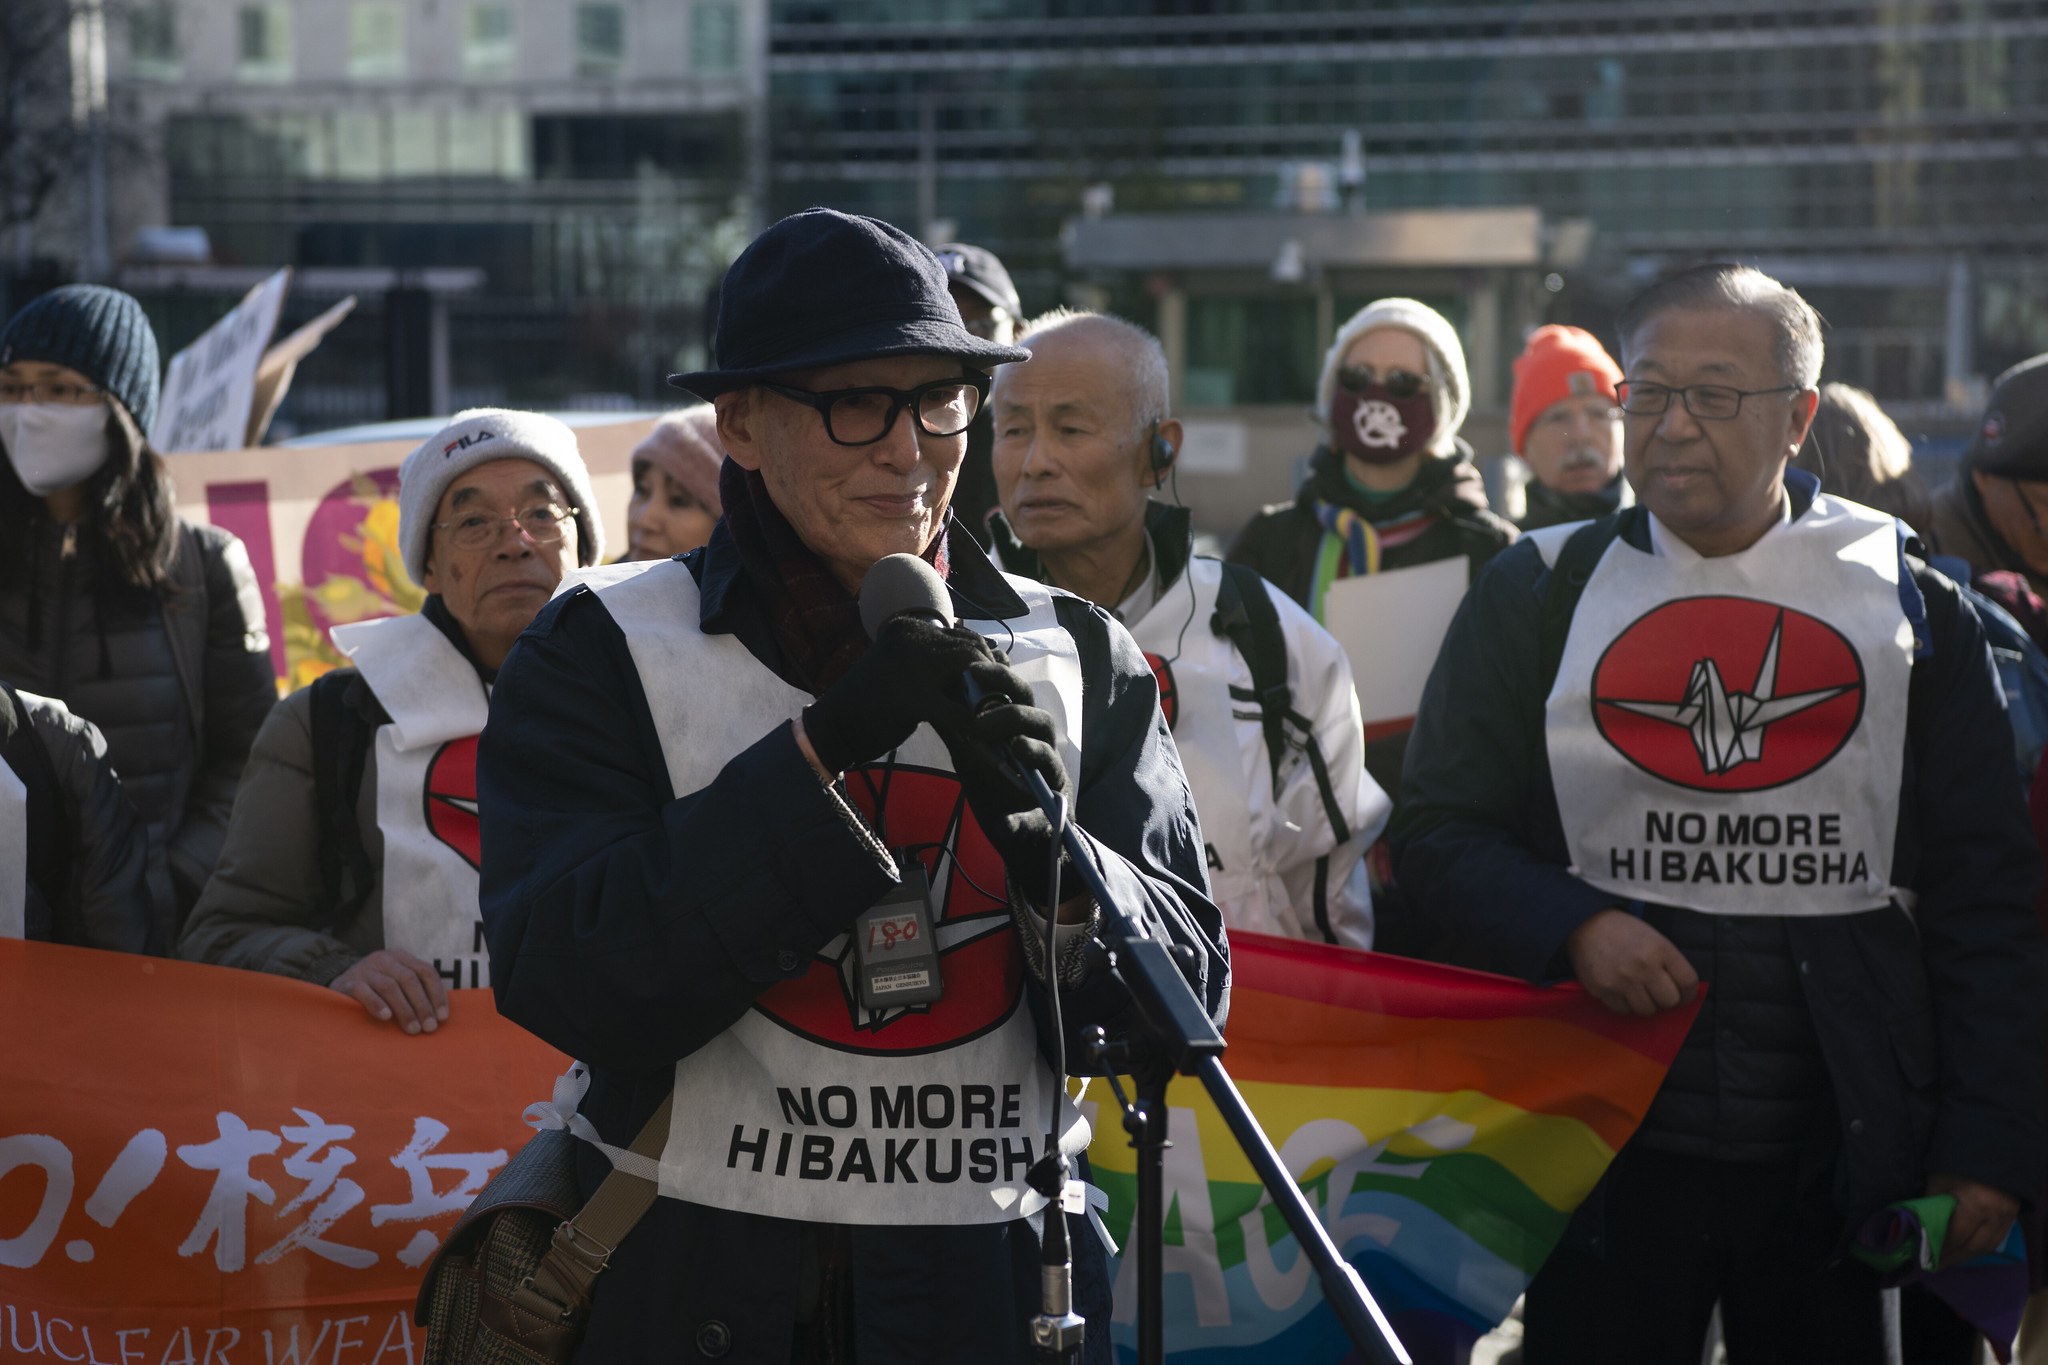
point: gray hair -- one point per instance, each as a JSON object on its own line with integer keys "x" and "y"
{"x": 1144, "y": 358}
{"x": 1797, "y": 351}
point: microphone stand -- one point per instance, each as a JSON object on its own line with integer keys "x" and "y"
{"x": 1181, "y": 1037}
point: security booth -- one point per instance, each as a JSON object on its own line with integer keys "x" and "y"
{"x": 1245, "y": 305}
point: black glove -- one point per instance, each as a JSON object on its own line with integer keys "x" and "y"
{"x": 900, "y": 682}
{"x": 1008, "y": 728}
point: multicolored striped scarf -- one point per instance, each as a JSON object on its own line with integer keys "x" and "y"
{"x": 1353, "y": 544}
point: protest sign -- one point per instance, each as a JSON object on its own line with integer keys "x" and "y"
{"x": 1445, "y": 1122}
{"x": 209, "y": 386}
{"x": 321, "y": 527}
{"x": 203, "y": 1164}
{"x": 1391, "y": 625}
{"x": 275, "y": 370}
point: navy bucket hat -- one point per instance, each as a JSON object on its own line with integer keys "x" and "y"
{"x": 827, "y": 288}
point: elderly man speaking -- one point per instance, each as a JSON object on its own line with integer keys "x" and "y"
{"x": 700, "y": 778}
{"x": 1082, "y": 439}
{"x": 1738, "y": 734}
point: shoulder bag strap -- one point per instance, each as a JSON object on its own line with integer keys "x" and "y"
{"x": 559, "y": 1288}
{"x": 1246, "y": 614}
{"x": 1566, "y": 583}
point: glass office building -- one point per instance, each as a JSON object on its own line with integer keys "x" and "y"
{"x": 1886, "y": 157}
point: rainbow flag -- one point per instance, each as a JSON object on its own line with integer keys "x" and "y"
{"x": 1444, "y": 1122}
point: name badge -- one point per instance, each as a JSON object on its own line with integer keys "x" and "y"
{"x": 896, "y": 957}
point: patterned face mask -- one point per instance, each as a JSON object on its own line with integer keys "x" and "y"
{"x": 1377, "y": 427}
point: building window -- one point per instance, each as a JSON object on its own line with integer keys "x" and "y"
{"x": 600, "y": 39}
{"x": 715, "y": 36}
{"x": 376, "y": 40}
{"x": 153, "y": 42}
{"x": 489, "y": 51}
{"x": 264, "y": 46}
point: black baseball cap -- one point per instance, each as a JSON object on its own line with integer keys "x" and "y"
{"x": 827, "y": 288}
{"x": 2012, "y": 438}
{"x": 979, "y": 270}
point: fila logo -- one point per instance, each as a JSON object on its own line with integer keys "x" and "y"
{"x": 465, "y": 442}
{"x": 1728, "y": 694}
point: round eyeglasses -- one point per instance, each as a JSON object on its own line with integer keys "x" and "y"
{"x": 863, "y": 416}
{"x": 480, "y": 530}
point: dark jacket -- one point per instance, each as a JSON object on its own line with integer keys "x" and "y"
{"x": 87, "y": 855}
{"x": 630, "y": 927}
{"x": 1929, "y": 1026}
{"x": 179, "y": 686}
{"x": 1548, "y": 507}
{"x": 1283, "y": 540}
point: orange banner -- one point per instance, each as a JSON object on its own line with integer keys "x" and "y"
{"x": 201, "y": 1166}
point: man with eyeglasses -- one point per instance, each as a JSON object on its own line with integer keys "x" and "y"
{"x": 1566, "y": 428}
{"x": 351, "y": 855}
{"x": 1738, "y": 737}
{"x": 1994, "y": 513}
{"x": 713, "y": 805}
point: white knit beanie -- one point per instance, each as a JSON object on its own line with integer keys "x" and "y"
{"x": 479, "y": 436}
{"x": 1449, "y": 388}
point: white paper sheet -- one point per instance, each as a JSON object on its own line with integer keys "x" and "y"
{"x": 1391, "y": 625}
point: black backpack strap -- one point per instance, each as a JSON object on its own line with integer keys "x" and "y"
{"x": 1566, "y": 582}
{"x": 342, "y": 735}
{"x": 1246, "y": 615}
{"x": 48, "y": 818}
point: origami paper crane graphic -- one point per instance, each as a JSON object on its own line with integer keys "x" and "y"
{"x": 1728, "y": 727}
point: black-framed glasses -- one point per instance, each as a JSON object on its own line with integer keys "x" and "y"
{"x": 861, "y": 417}
{"x": 1709, "y": 402}
{"x": 480, "y": 530}
{"x": 1400, "y": 383}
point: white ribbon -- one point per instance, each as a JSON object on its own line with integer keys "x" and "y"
{"x": 559, "y": 1112}
{"x": 1077, "y": 1196}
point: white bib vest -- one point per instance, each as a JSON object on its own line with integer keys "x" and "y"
{"x": 1727, "y": 734}
{"x": 13, "y": 852}
{"x": 811, "y": 1107}
{"x": 1224, "y": 757}
{"x": 426, "y": 790}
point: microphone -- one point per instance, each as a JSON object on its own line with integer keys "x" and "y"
{"x": 904, "y": 584}
{"x": 897, "y": 584}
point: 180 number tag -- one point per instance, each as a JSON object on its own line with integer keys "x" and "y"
{"x": 896, "y": 958}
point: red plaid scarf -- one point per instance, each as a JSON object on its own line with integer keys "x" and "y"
{"x": 816, "y": 621}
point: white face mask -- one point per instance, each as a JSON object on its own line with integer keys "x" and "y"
{"x": 53, "y": 445}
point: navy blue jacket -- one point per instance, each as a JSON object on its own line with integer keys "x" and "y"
{"x": 628, "y": 927}
{"x": 1930, "y": 1026}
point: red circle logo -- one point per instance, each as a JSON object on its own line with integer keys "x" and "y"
{"x": 1169, "y": 691}
{"x": 451, "y": 799}
{"x": 1728, "y": 694}
{"x": 923, "y": 813}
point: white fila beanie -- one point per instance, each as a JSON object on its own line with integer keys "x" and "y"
{"x": 479, "y": 436}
